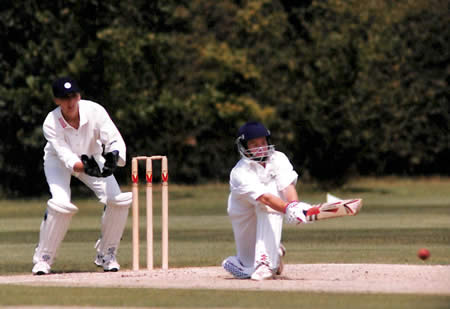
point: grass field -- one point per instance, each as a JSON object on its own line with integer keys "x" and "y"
{"x": 399, "y": 217}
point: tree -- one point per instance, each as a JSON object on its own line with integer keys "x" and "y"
{"x": 346, "y": 86}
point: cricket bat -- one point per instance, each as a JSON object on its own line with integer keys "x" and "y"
{"x": 333, "y": 208}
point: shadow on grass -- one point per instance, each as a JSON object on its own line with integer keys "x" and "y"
{"x": 365, "y": 190}
{"x": 57, "y": 268}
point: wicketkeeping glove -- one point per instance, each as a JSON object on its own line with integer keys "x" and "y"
{"x": 110, "y": 163}
{"x": 91, "y": 167}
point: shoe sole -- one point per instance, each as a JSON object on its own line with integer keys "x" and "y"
{"x": 235, "y": 271}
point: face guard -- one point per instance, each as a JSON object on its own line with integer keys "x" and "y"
{"x": 249, "y": 131}
{"x": 258, "y": 154}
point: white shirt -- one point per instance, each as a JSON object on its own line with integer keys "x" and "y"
{"x": 249, "y": 180}
{"x": 96, "y": 129}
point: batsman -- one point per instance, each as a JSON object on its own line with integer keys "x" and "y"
{"x": 262, "y": 196}
{"x": 82, "y": 141}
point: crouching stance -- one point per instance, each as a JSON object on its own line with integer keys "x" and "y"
{"x": 263, "y": 195}
{"x": 82, "y": 141}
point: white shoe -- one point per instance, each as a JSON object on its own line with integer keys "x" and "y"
{"x": 232, "y": 265}
{"x": 110, "y": 263}
{"x": 281, "y": 253}
{"x": 41, "y": 268}
{"x": 262, "y": 272}
{"x": 99, "y": 260}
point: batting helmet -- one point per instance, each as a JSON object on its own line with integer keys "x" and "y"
{"x": 249, "y": 131}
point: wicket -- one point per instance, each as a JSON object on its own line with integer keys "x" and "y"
{"x": 149, "y": 208}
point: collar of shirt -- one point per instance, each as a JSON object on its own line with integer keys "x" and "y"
{"x": 83, "y": 113}
{"x": 81, "y": 110}
{"x": 265, "y": 174}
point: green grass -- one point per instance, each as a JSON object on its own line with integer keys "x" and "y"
{"x": 178, "y": 298}
{"x": 399, "y": 216}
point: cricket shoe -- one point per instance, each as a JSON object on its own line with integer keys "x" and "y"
{"x": 232, "y": 265}
{"x": 99, "y": 260}
{"x": 262, "y": 272}
{"x": 108, "y": 262}
{"x": 281, "y": 253}
{"x": 41, "y": 268}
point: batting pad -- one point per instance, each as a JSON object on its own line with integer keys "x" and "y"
{"x": 114, "y": 220}
{"x": 120, "y": 200}
{"x": 52, "y": 232}
{"x": 62, "y": 207}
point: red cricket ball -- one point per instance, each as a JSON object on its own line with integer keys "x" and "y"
{"x": 423, "y": 254}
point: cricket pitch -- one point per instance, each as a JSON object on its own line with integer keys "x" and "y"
{"x": 338, "y": 278}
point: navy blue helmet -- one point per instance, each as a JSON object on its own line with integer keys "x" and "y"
{"x": 249, "y": 131}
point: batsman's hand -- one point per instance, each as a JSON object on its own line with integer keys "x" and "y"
{"x": 111, "y": 163}
{"x": 295, "y": 212}
{"x": 91, "y": 167}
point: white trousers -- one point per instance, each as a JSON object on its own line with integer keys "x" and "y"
{"x": 257, "y": 235}
{"x": 58, "y": 179}
{"x": 55, "y": 224}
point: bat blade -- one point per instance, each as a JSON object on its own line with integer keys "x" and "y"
{"x": 335, "y": 209}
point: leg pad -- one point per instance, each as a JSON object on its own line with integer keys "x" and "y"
{"x": 53, "y": 229}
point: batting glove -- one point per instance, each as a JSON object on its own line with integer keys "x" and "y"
{"x": 295, "y": 212}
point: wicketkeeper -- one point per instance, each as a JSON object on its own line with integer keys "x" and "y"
{"x": 263, "y": 194}
{"x": 82, "y": 141}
